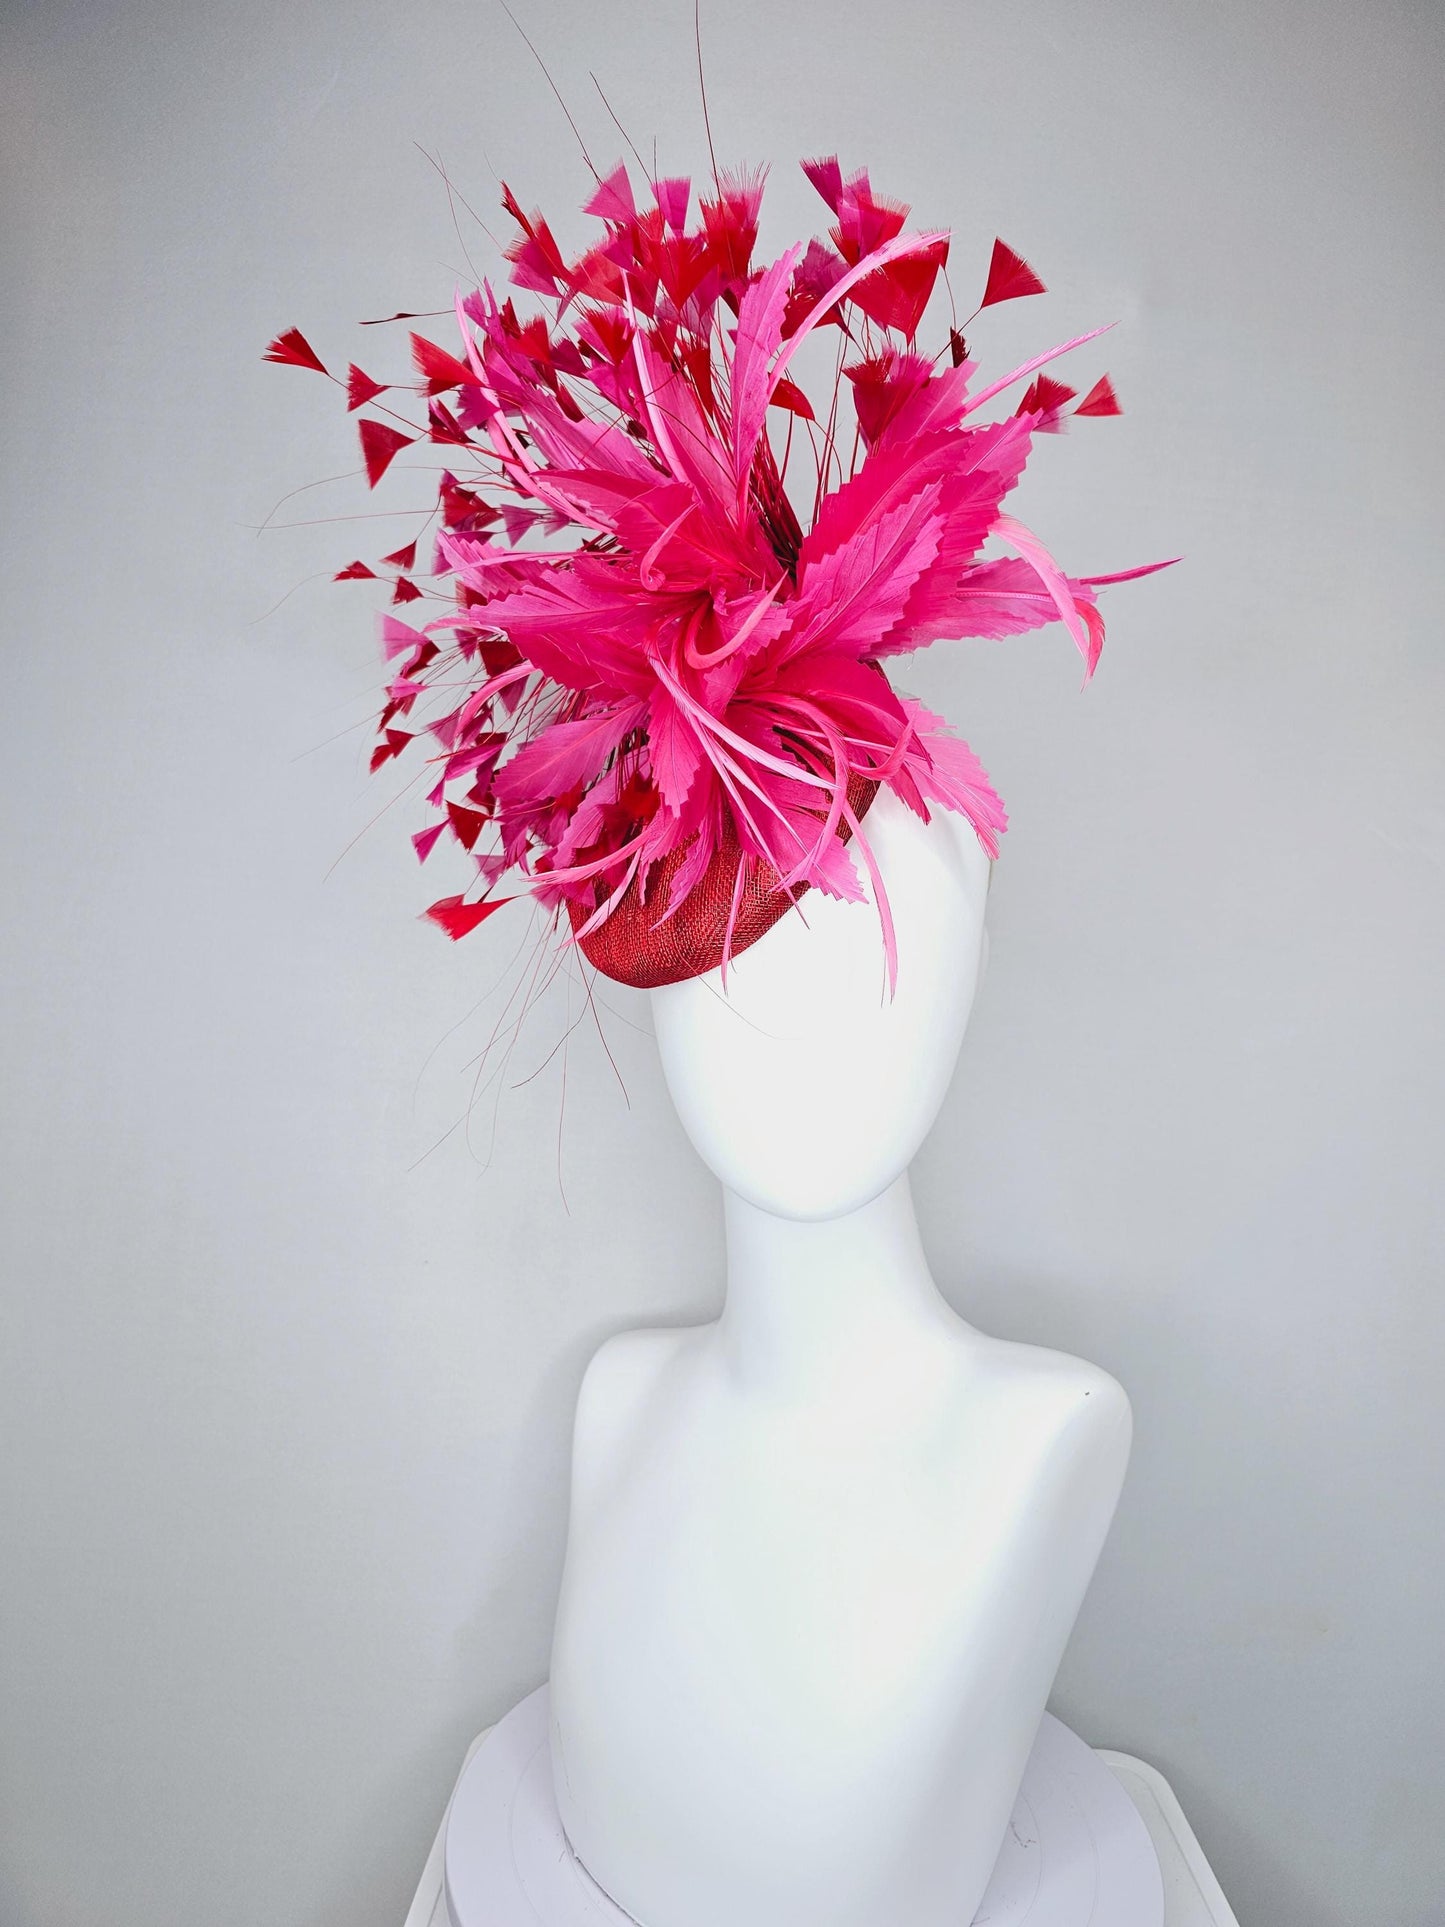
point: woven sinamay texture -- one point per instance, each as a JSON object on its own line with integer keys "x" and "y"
{"x": 640, "y": 944}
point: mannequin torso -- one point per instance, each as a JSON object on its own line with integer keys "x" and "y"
{"x": 823, "y": 1609}
{"x": 825, "y": 1553}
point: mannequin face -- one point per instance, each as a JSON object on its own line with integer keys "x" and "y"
{"x": 803, "y": 1086}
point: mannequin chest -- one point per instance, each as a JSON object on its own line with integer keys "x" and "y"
{"x": 865, "y": 1553}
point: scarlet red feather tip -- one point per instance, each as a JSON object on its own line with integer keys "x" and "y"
{"x": 1045, "y": 394}
{"x": 292, "y": 349}
{"x": 1010, "y": 277}
{"x": 360, "y": 388}
{"x": 458, "y": 918}
{"x": 380, "y": 444}
{"x": 440, "y": 369}
{"x": 1100, "y": 400}
{"x": 467, "y": 825}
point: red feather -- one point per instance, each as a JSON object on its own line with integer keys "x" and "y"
{"x": 441, "y": 369}
{"x": 457, "y": 918}
{"x": 354, "y": 572}
{"x": 405, "y": 591}
{"x": 295, "y": 351}
{"x": 896, "y": 296}
{"x": 379, "y": 446}
{"x": 360, "y": 388}
{"x": 827, "y": 176}
{"x": 1044, "y": 393}
{"x": 1100, "y": 400}
{"x": 468, "y": 825}
{"x": 402, "y": 558}
{"x": 444, "y": 426}
{"x": 396, "y": 742}
{"x": 788, "y": 395}
{"x": 1009, "y": 277}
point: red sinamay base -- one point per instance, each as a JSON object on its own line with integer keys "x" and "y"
{"x": 635, "y": 946}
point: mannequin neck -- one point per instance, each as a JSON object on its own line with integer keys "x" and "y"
{"x": 812, "y": 1305}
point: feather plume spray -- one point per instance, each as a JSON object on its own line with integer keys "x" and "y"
{"x": 672, "y": 726}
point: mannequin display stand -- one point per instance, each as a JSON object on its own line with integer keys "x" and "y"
{"x": 824, "y": 1551}
{"x": 1078, "y": 1852}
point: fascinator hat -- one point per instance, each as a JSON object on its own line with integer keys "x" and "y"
{"x": 649, "y": 665}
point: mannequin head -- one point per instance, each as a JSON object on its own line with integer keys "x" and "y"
{"x": 803, "y": 1085}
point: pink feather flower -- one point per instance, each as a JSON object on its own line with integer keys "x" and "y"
{"x": 669, "y": 576}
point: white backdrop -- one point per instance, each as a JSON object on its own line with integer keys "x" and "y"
{"x": 286, "y": 1400}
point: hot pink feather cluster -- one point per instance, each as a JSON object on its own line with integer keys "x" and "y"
{"x": 669, "y": 579}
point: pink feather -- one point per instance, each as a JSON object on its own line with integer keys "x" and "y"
{"x": 658, "y": 645}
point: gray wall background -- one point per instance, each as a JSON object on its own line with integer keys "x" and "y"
{"x": 285, "y": 1400}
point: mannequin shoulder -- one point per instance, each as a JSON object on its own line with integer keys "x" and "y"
{"x": 627, "y": 1365}
{"x": 624, "y": 1376}
{"x": 1066, "y": 1397}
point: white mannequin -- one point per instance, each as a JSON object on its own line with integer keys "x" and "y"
{"x": 825, "y": 1553}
